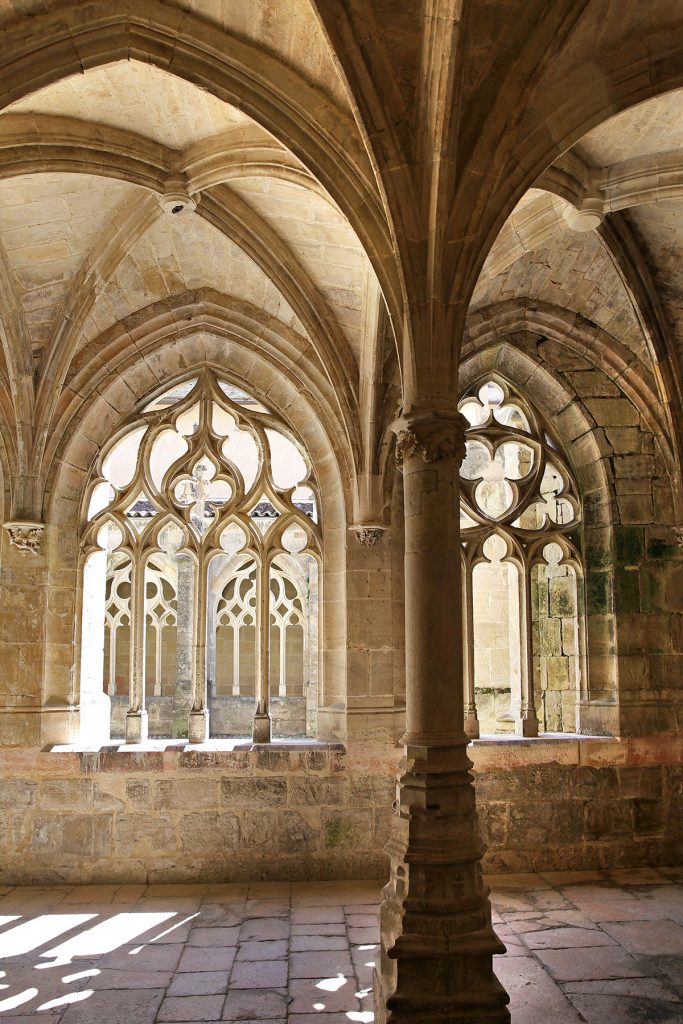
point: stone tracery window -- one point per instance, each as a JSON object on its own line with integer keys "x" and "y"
{"x": 201, "y": 544}
{"x": 522, "y": 579}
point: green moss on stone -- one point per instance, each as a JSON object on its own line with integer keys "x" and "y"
{"x": 626, "y": 590}
{"x": 599, "y": 587}
{"x": 659, "y": 548}
{"x": 652, "y": 592}
{"x": 629, "y": 544}
{"x": 338, "y": 832}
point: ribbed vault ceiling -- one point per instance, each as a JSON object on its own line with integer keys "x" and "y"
{"x": 312, "y": 183}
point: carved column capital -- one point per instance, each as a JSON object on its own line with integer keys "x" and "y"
{"x": 368, "y": 535}
{"x": 25, "y": 535}
{"x": 433, "y": 437}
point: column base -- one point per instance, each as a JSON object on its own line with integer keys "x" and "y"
{"x": 433, "y": 1010}
{"x": 471, "y": 725}
{"x": 527, "y": 725}
{"x": 136, "y": 727}
{"x": 261, "y": 730}
{"x": 198, "y": 729}
{"x": 437, "y": 941}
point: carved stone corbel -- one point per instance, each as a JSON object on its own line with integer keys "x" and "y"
{"x": 368, "y": 535}
{"x": 25, "y": 535}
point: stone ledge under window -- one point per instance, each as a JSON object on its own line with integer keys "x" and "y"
{"x": 490, "y": 753}
{"x": 163, "y": 745}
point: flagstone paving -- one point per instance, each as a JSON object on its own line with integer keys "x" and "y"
{"x": 582, "y": 948}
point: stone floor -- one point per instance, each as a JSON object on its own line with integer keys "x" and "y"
{"x": 595, "y": 948}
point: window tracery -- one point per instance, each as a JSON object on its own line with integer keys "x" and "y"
{"x": 205, "y": 483}
{"x": 520, "y": 516}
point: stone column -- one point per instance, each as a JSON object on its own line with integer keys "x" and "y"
{"x": 471, "y": 717}
{"x": 184, "y": 625}
{"x": 311, "y": 650}
{"x": 95, "y": 704}
{"x": 136, "y": 718}
{"x": 111, "y": 685}
{"x": 261, "y": 732}
{"x": 157, "y": 660}
{"x": 526, "y": 722}
{"x": 198, "y": 730}
{"x": 437, "y": 942}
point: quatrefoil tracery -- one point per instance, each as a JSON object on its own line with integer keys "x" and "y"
{"x": 514, "y": 475}
{"x": 200, "y": 465}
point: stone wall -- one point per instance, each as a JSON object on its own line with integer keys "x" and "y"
{"x": 302, "y": 811}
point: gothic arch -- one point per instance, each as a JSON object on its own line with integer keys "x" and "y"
{"x": 117, "y": 391}
{"x": 575, "y": 332}
{"x": 199, "y": 326}
{"x": 605, "y": 537}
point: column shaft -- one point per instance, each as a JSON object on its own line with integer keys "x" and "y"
{"x": 262, "y": 725}
{"x": 471, "y": 717}
{"x": 527, "y": 721}
{"x": 136, "y": 719}
{"x": 436, "y": 934}
{"x": 95, "y": 705}
{"x": 199, "y": 711}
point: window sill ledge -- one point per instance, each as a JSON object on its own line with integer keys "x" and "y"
{"x": 182, "y": 746}
{"x": 489, "y": 739}
{"x": 297, "y": 743}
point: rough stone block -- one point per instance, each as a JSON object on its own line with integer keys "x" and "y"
{"x": 606, "y": 819}
{"x": 259, "y": 830}
{"x": 17, "y": 793}
{"x": 254, "y": 792}
{"x": 595, "y": 783}
{"x": 144, "y": 835}
{"x": 312, "y": 760}
{"x": 501, "y": 787}
{"x": 305, "y": 790}
{"x": 599, "y": 592}
{"x": 613, "y": 412}
{"x": 674, "y": 590}
{"x": 637, "y": 782}
{"x": 298, "y": 832}
{"x": 70, "y": 794}
{"x": 648, "y": 817}
{"x": 346, "y": 829}
{"x": 373, "y": 791}
{"x": 652, "y": 589}
{"x": 557, "y": 670}
{"x": 494, "y": 821}
{"x": 269, "y": 759}
{"x": 636, "y": 508}
{"x": 222, "y": 830}
{"x": 643, "y": 633}
{"x": 623, "y": 440}
{"x": 184, "y": 794}
{"x": 561, "y": 595}
{"x": 139, "y": 792}
{"x": 626, "y": 589}
{"x": 634, "y": 466}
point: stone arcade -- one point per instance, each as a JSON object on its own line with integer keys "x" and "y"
{"x": 341, "y": 433}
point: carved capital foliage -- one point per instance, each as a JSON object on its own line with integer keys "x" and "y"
{"x": 678, "y": 530}
{"x": 433, "y": 439}
{"x": 368, "y": 535}
{"x": 24, "y": 535}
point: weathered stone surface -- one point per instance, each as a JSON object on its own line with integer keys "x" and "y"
{"x": 591, "y": 814}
